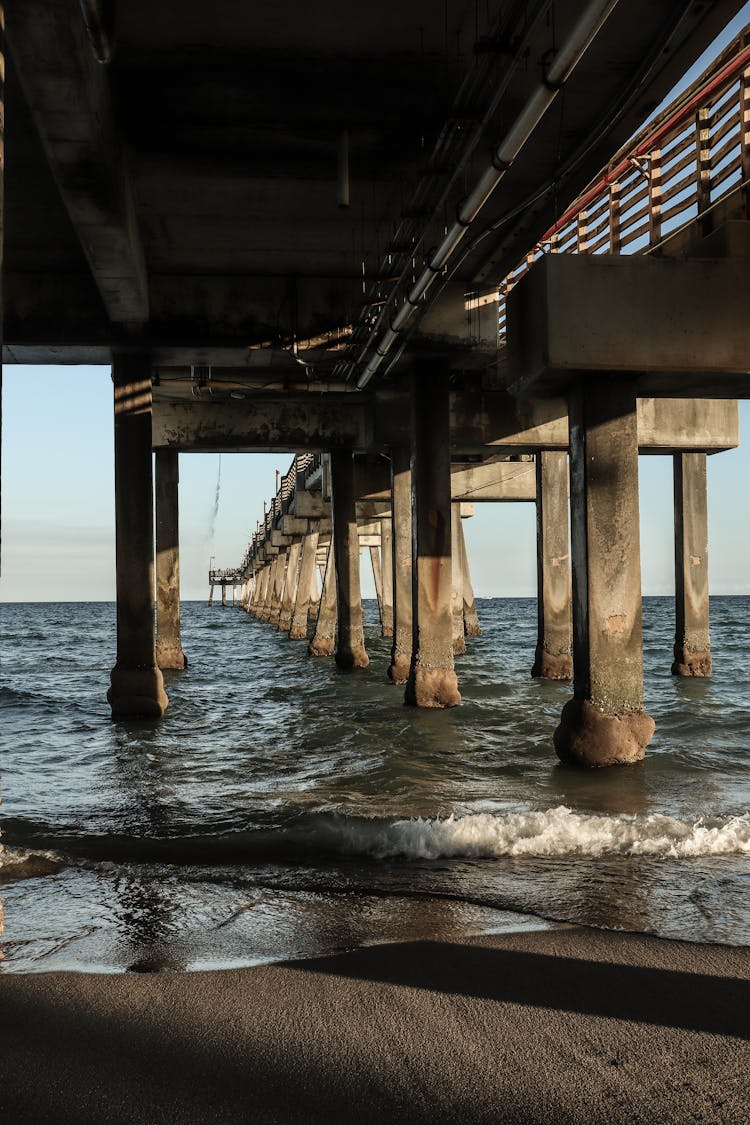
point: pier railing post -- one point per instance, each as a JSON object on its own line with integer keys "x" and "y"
{"x": 605, "y": 722}
{"x": 552, "y": 659}
{"x": 137, "y": 686}
{"x": 402, "y": 564}
{"x": 692, "y": 645}
{"x": 432, "y": 677}
{"x": 169, "y": 652}
{"x": 350, "y": 639}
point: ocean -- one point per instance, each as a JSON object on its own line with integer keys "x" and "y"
{"x": 285, "y": 809}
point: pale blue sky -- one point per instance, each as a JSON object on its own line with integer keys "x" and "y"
{"x": 58, "y": 496}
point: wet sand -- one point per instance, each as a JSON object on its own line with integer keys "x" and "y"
{"x": 564, "y": 1025}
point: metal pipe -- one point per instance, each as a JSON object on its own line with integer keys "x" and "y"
{"x": 99, "y": 17}
{"x": 583, "y": 33}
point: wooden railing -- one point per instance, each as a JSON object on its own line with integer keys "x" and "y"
{"x": 693, "y": 154}
{"x": 220, "y": 577}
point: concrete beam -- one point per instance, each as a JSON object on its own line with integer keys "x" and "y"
{"x": 280, "y": 423}
{"x": 647, "y": 316}
{"x": 481, "y": 422}
{"x": 68, "y": 94}
{"x": 309, "y": 505}
{"x": 294, "y": 525}
{"x": 513, "y": 481}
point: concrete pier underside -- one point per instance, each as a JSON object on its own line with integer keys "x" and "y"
{"x": 237, "y": 297}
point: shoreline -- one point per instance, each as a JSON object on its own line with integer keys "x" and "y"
{"x": 568, "y": 1023}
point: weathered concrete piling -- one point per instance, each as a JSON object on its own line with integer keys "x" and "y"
{"x": 386, "y": 557}
{"x": 553, "y": 659}
{"x": 169, "y": 652}
{"x": 432, "y": 678}
{"x": 401, "y": 490}
{"x": 289, "y": 596}
{"x": 605, "y": 722}
{"x": 457, "y": 581}
{"x": 323, "y": 642}
{"x": 137, "y": 686}
{"x": 298, "y": 626}
{"x": 350, "y": 638}
{"x": 692, "y": 646}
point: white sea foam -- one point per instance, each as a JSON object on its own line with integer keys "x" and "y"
{"x": 553, "y": 832}
{"x": 19, "y": 862}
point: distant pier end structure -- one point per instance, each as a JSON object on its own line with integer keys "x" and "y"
{"x": 222, "y": 579}
{"x": 285, "y": 230}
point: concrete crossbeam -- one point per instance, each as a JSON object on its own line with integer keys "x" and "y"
{"x": 653, "y": 317}
{"x": 279, "y": 424}
{"x": 480, "y": 422}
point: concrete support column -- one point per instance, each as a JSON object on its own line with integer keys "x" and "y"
{"x": 377, "y": 577}
{"x": 211, "y": 596}
{"x": 224, "y": 594}
{"x": 350, "y": 638}
{"x": 277, "y": 589}
{"x": 324, "y": 637}
{"x": 265, "y": 611}
{"x": 471, "y": 619}
{"x": 457, "y": 581}
{"x": 264, "y": 592}
{"x": 252, "y": 600}
{"x": 605, "y": 723}
{"x": 137, "y": 686}
{"x": 402, "y": 564}
{"x": 432, "y": 678}
{"x": 692, "y": 643}
{"x": 298, "y": 628}
{"x": 290, "y": 588}
{"x": 315, "y": 596}
{"x": 169, "y": 652}
{"x": 386, "y": 560}
{"x": 552, "y": 659}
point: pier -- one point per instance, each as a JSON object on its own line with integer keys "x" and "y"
{"x": 224, "y": 579}
{"x": 416, "y": 282}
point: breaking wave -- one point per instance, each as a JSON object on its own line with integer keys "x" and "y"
{"x": 551, "y": 833}
{"x": 18, "y": 863}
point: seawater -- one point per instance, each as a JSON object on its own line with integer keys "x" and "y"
{"x": 283, "y": 808}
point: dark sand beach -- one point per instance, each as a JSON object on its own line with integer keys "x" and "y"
{"x": 565, "y": 1025}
